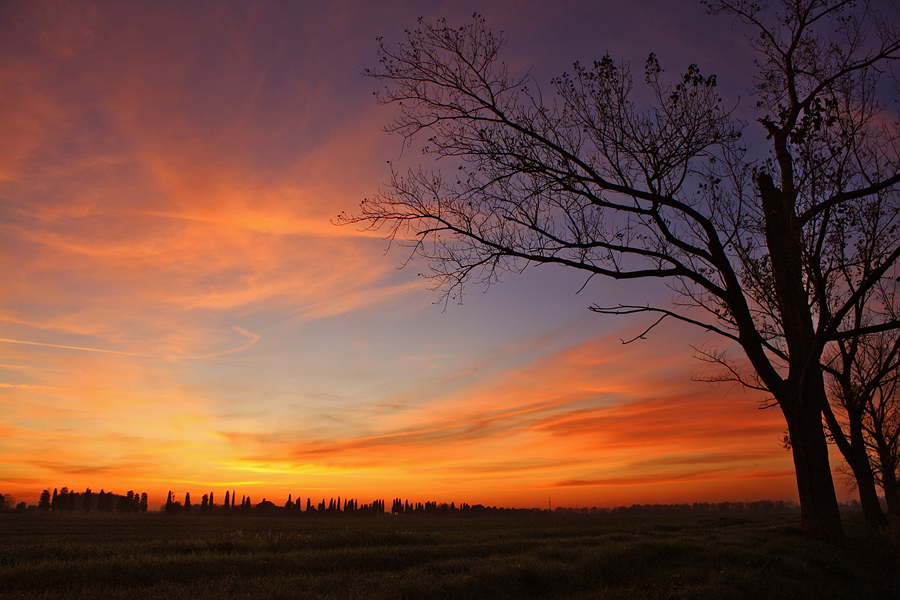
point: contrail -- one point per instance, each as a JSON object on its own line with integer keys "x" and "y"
{"x": 254, "y": 337}
{"x": 69, "y": 347}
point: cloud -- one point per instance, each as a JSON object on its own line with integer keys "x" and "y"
{"x": 24, "y": 481}
{"x": 603, "y": 418}
{"x": 678, "y": 477}
{"x": 171, "y": 184}
{"x": 69, "y": 469}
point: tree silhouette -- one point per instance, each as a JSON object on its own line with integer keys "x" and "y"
{"x": 864, "y": 381}
{"x": 882, "y": 426}
{"x": 128, "y": 503}
{"x": 763, "y": 253}
{"x": 62, "y": 500}
{"x": 44, "y": 501}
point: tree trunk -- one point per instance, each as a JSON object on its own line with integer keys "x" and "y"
{"x": 854, "y": 452}
{"x": 802, "y": 396}
{"x": 889, "y": 482}
{"x": 892, "y": 496}
{"x": 820, "y": 516}
{"x": 868, "y": 493}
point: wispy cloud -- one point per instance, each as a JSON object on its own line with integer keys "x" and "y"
{"x": 560, "y": 413}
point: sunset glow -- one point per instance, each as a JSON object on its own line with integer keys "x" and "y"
{"x": 180, "y": 313}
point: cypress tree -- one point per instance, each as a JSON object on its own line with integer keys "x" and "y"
{"x": 44, "y": 502}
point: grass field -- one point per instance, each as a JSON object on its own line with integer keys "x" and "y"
{"x": 711, "y": 556}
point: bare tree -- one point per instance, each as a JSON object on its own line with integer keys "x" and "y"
{"x": 864, "y": 416}
{"x": 882, "y": 428}
{"x": 854, "y": 385}
{"x": 591, "y": 181}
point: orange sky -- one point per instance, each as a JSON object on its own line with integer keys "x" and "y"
{"x": 179, "y": 313}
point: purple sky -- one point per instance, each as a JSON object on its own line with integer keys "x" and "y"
{"x": 180, "y": 313}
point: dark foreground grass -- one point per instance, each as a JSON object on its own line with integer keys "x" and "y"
{"x": 609, "y": 557}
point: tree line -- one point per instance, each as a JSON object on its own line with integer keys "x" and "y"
{"x": 65, "y": 500}
{"x": 349, "y": 506}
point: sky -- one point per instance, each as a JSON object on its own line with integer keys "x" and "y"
{"x": 179, "y": 311}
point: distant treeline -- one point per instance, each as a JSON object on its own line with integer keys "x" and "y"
{"x": 333, "y": 507}
{"x": 64, "y": 500}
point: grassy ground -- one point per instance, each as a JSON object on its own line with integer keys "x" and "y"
{"x": 609, "y": 557}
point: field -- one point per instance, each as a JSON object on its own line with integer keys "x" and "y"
{"x": 710, "y": 556}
